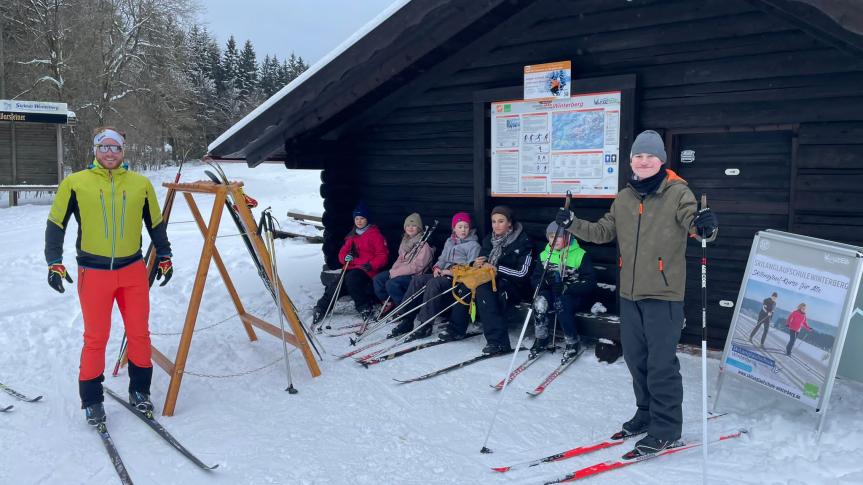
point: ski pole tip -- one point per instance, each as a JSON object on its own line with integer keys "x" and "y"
{"x": 485, "y": 450}
{"x": 291, "y": 390}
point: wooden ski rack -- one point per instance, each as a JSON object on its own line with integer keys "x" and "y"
{"x": 209, "y": 252}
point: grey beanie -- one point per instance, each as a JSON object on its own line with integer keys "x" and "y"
{"x": 649, "y": 141}
{"x": 551, "y": 230}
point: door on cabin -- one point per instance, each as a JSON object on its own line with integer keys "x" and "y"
{"x": 746, "y": 177}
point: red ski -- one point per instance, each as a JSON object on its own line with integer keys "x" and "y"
{"x": 620, "y": 463}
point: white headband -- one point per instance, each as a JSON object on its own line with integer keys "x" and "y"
{"x": 109, "y": 135}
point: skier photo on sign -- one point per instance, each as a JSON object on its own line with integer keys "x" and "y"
{"x": 795, "y": 321}
{"x": 110, "y": 203}
{"x": 363, "y": 255}
{"x": 651, "y": 219}
{"x": 507, "y": 250}
{"x": 414, "y": 257}
{"x": 569, "y": 282}
{"x": 764, "y": 316}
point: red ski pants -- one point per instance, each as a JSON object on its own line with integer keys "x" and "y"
{"x": 97, "y": 290}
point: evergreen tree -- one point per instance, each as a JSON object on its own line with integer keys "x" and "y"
{"x": 247, "y": 72}
{"x": 229, "y": 66}
{"x": 269, "y": 78}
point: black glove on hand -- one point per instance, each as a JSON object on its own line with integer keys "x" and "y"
{"x": 165, "y": 269}
{"x": 56, "y": 274}
{"x": 558, "y": 305}
{"x": 706, "y": 222}
{"x": 564, "y": 218}
{"x": 366, "y": 266}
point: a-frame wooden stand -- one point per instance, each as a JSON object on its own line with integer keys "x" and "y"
{"x": 295, "y": 336}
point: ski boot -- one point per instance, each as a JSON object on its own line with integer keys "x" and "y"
{"x": 571, "y": 351}
{"x": 539, "y": 345}
{"x": 95, "y": 414}
{"x": 494, "y": 349}
{"x": 366, "y": 313}
{"x": 423, "y": 332}
{"x": 450, "y": 335}
{"x": 635, "y": 426}
{"x": 650, "y": 445}
{"x": 317, "y": 317}
{"x": 401, "y": 329}
{"x": 141, "y": 402}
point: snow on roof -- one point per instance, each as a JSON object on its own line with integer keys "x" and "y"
{"x": 359, "y": 34}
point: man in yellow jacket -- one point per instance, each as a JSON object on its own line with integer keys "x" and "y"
{"x": 110, "y": 204}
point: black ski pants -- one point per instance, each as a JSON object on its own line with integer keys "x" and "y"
{"x": 649, "y": 332}
{"x": 357, "y": 284}
{"x": 763, "y": 319}
{"x": 432, "y": 300}
{"x": 490, "y": 309}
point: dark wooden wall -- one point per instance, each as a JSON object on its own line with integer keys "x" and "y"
{"x": 704, "y": 66}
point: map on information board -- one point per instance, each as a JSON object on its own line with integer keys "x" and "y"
{"x": 544, "y": 148}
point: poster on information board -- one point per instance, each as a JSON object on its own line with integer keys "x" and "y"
{"x": 547, "y": 81}
{"x": 789, "y": 325}
{"x": 544, "y": 148}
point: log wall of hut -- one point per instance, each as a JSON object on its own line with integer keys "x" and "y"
{"x": 743, "y": 88}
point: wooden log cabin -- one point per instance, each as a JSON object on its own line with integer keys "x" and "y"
{"x": 771, "y": 90}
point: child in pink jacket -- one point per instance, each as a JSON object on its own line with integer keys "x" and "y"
{"x": 413, "y": 259}
{"x": 796, "y": 320}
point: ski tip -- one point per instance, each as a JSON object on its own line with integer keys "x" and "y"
{"x": 35, "y": 399}
{"x": 400, "y": 381}
{"x": 495, "y": 387}
{"x": 501, "y": 469}
{"x": 211, "y": 467}
{"x": 532, "y": 393}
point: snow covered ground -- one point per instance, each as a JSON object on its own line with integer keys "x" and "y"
{"x": 351, "y": 425}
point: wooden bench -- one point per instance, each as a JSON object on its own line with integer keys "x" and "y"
{"x": 14, "y": 189}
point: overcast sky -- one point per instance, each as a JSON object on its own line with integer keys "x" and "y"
{"x": 309, "y": 28}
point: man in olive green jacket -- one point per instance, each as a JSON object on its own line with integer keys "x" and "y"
{"x": 650, "y": 219}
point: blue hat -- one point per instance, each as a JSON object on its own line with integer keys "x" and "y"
{"x": 362, "y": 210}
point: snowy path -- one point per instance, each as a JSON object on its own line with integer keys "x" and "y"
{"x": 351, "y": 425}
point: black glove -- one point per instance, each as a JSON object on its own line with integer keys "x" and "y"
{"x": 56, "y": 274}
{"x": 558, "y": 305}
{"x": 366, "y": 266}
{"x": 564, "y": 218}
{"x": 165, "y": 269}
{"x": 705, "y": 222}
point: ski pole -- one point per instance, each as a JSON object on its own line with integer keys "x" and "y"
{"x": 412, "y": 310}
{"x": 426, "y": 234}
{"x": 151, "y": 250}
{"x": 331, "y": 305}
{"x": 704, "y": 241}
{"x": 530, "y": 310}
{"x": 277, "y": 288}
{"x": 392, "y": 315}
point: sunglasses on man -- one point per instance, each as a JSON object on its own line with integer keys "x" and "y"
{"x": 109, "y": 148}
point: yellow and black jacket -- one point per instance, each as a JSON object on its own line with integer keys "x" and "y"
{"x": 110, "y": 207}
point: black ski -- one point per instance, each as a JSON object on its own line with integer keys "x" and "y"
{"x": 102, "y": 429}
{"x": 464, "y": 363}
{"x": 412, "y": 348}
{"x": 6, "y": 409}
{"x": 158, "y": 428}
{"x": 518, "y": 370}
{"x": 222, "y": 179}
{"x": 18, "y": 395}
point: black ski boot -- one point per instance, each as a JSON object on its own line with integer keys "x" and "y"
{"x": 401, "y": 329}
{"x": 637, "y": 425}
{"x": 539, "y": 345}
{"x": 449, "y": 335}
{"x": 650, "y": 445}
{"x": 317, "y": 316}
{"x": 366, "y": 312}
{"x": 571, "y": 351}
{"x": 141, "y": 402}
{"x": 494, "y": 349}
{"x": 95, "y": 414}
{"x": 423, "y": 332}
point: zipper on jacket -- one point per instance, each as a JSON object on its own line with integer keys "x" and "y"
{"x": 113, "y": 221}
{"x": 123, "y": 217}
{"x": 104, "y": 212}
{"x": 662, "y": 271}
{"x": 637, "y": 233}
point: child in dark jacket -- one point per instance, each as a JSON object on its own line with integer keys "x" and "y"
{"x": 414, "y": 257}
{"x": 461, "y": 247}
{"x": 569, "y": 282}
{"x": 365, "y": 254}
